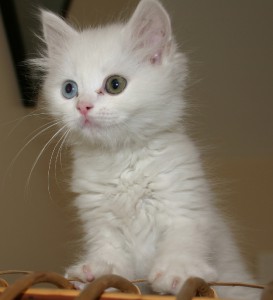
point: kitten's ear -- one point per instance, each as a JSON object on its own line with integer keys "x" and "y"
{"x": 150, "y": 30}
{"x": 56, "y": 31}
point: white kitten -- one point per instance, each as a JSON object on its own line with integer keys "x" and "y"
{"x": 143, "y": 198}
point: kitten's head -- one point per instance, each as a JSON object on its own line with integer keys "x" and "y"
{"x": 120, "y": 83}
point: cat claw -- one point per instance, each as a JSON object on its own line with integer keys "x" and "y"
{"x": 175, "y": 283}
{"x": 78, "y": 285}
{"x": 88, "y": 273}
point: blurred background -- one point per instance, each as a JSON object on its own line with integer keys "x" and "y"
{"x": 230, "y": 49}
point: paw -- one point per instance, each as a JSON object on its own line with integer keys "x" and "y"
{"x": 86, "y": 272}
{"x": 169, "y": 277}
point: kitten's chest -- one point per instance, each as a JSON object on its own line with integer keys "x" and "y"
{"x": 118, "y": 184}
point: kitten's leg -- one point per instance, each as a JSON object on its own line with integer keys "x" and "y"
{"x": 183, "y": 252}
{"x": 106, "y": 255}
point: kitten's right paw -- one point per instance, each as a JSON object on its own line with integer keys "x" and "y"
{"x": 86, "y": 272}
{"x": 94, "y": 267}
{"x": 81, "y": 273}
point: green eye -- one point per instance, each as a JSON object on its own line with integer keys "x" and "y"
{"x": 115, "y": 84}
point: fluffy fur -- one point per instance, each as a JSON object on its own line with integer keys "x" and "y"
{"x": 145, "y": 204}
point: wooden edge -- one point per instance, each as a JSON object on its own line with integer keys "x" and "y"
{"x": 46, "y": 291}
{"x": 71, "y": 294}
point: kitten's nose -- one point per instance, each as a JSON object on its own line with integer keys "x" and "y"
{"x": 84, "y": 107}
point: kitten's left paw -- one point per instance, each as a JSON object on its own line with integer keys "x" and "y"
{"x": 168, "y": 278}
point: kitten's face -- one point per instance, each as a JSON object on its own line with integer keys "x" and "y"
{"x": 117, "y": 83}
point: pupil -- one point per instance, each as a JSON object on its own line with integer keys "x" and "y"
{"x": 115, "y": 84}
{"x": 68, "y": 88}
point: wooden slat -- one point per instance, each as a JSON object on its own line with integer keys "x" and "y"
{"x": 60, "y": 294}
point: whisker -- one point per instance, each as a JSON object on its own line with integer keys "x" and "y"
{"x": 40, "y": 154}
{"x": 41, "y": 127}
{"x": 20, "y": 120}
{"x": 31, "y": 140}
{"x": 60, "y": 142}
{"x": 49, "y": 167}
{"x": 59, "y": 153}
{"x": 11, "y": 165}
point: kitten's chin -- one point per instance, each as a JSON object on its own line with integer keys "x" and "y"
{"x": 90, "y": 132}
{"x": 95, "y": 135}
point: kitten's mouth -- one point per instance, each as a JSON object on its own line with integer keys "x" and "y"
{"x": 87, "y": 123}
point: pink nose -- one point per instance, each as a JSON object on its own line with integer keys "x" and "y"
{"x": 84, "y": 107}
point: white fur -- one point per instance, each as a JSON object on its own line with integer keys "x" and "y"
{"x": 145, "y": 204}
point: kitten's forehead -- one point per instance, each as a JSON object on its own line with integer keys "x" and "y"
{"x": 100, "y": 45}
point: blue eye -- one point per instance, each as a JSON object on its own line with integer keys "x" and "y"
{"x": 69, "y": 89}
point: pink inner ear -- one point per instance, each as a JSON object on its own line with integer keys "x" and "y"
{"x": 156, "y": 41}
{"x": 150, "y": 29}
{"x": 156, "y": 58}
{"x": 157, "y": 36}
